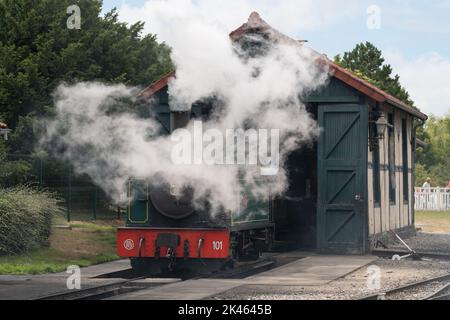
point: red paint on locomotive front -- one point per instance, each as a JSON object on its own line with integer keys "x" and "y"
{"x": 215, "y": 243}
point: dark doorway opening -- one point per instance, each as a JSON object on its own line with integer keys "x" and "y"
{"x": 295, "y": 213}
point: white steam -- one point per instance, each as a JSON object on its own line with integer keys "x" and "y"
{"x": 259, "y": 92}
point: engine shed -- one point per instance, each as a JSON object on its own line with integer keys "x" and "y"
{"x": 356, "y": 183}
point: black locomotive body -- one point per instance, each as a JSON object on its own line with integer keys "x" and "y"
{"x": 165, "y": 230}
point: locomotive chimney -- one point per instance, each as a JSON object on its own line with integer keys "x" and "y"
{"x": 179, "y": 119}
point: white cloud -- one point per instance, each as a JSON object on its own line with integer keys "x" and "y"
{"x": 288, "y": 16}
{"x": 427, "y": 78}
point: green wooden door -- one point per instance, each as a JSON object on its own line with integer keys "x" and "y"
{"x": 342, "y": 178}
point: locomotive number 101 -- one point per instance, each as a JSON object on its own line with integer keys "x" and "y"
{"x": 217, "y": 245}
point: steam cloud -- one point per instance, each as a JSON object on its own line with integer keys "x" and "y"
{"x": 257, "y": 92}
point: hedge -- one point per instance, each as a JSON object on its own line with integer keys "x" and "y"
{"x": 26, "y": 215}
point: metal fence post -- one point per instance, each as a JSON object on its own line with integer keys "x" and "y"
{"x": 95, "y": 202}
{"x": 69, "y": 196}
{"x": 41, "y": 172}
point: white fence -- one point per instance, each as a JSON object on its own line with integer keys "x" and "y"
{"x": 432, "y": 199}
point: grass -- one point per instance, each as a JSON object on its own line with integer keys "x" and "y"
{"x": 85, "y": 245}
{"x": 433, "y": 221}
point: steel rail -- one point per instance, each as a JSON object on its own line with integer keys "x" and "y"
{"x": 442, "y": 297}
{"x": 89, "y": 292}
{"x": 244, "y": 270}
{"x": 379, "y": 295}
{"x": 438, "y": 293}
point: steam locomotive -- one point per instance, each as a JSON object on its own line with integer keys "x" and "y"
{"x": 165, "y": 230}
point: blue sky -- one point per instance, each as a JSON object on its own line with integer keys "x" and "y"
{"x": 414, "y": 34}
{"x": 409, "y": 26}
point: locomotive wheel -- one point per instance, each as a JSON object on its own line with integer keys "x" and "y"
{"x": 229, "y": 265}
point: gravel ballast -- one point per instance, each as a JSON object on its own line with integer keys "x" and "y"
{"x": 355, "y": 285}
{"x": 426, "y": 242}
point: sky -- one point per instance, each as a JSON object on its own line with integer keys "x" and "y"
{"x": 413, "y": 34}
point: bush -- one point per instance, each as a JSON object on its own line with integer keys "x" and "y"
{"x": 26, "y": 216}
{"x": 14, "y": 172}
{"x": 421, "y": 174}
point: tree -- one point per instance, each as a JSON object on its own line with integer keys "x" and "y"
{"x": 38, "y": 52}
{"x": 367, "y": 62}
{"x": 435, "y": 157}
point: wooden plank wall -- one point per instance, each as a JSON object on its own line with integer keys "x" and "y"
{"x": 391, "y": 216}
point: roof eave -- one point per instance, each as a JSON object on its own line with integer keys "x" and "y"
{"x": 409, "y": 110}
{"x": 370, "y": 90}
{"x": 158, "y": 85}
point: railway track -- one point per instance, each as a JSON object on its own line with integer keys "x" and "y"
{"x": 437, "y": 288}
{"x": 136, "y": 284}
{"x": 97, "y": 292}
{"x": 442, "y": 293}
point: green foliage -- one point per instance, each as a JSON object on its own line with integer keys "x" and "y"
{"x": 25, "y": 219}
{"x": 367, "y": 62}
{"x": 3, "y": 151}
{"x": 14, "y": 172}
{"x": 23, "y": 137}
{"x": 38, "y": 52}
{"x": 434, "y": 160}
{"x": 421, "y": 174}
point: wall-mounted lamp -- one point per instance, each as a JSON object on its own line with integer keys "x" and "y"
{"x": 377, "y": 127}
{"x": 381, "y": 125}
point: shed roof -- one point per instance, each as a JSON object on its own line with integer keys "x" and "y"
{"x": 256, "y": 24}
{"x": 156, "y": 86}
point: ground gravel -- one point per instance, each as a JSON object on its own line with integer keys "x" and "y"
{"x": 354, "y": 285}
{"x": 426, "y": 242}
